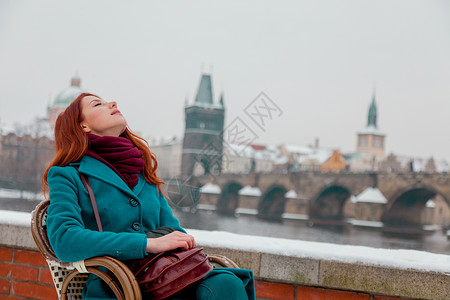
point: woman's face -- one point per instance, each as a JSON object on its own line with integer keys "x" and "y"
{"x": 101, "y": 118}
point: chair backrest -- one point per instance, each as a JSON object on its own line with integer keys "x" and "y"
{"x": 58, "y": 269}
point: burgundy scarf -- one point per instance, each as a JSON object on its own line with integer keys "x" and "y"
{"x": 119, "y": 154}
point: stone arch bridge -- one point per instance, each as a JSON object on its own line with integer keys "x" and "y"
{"x": 323, "y": 196}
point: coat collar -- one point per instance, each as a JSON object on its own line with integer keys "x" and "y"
{"x": 95, "y": 168}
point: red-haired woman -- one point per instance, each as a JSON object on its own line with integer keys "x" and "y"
{"x": 92, "y": 138}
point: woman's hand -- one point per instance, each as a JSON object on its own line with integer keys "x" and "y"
{"x": 170, "y": 241}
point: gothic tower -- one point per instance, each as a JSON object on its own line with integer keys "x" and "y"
{"x": 203, "y": 134}
{"x": 371, "y": 139}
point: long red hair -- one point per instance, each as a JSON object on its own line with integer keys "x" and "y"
{"x": 71, "y": 143}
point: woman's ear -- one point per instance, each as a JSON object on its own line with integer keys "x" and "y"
{"x": 85, "y": 127}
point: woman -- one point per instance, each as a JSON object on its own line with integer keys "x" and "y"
{"x": 92, "y": 138}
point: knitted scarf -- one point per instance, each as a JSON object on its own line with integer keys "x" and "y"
{"x": 119, "y": 154}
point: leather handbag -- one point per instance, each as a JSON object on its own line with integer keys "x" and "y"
{"x": 167, "y": 273}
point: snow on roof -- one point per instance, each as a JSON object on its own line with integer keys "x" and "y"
{"x": 291, "y": 194}
{"x": 302, "y": 149}
{"x": 371, "y": 195}
{"x": 210, "y": 188}
{"x": 320, "y": 155}
{"x": 250, "y": 191}
{"x": 371, "y": 130}
{"x": 6, "y": 128}
{"x": 281, "y": 160}
{"x": 404, "y": 259}
{"x": 430, "y": 203}
{"x": 252, "y": 151}
{"x": 243, "y": 150}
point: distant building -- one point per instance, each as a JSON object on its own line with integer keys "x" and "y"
{"x": 203, "y": 135}
{"x": 63, "y": 99}
{"x": 402, "y": 164}
{"x": 244, "y": 159}
{"x": 168, "y": 155}
{"x": 23, "y": 160}
{"x": 334, "y": 164}
{"x": 371, "y": 139}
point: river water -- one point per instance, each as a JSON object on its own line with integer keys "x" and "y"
{"x": 300, "y": 230}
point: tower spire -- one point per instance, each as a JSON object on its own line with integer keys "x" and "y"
{"x": 372, "y": 117}
{"x": 221, "y": 99}
{"x": 204, "y": 93}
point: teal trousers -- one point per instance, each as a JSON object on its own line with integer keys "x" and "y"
{"x": 223, "y": 284}
{"x": 219, "y": 284}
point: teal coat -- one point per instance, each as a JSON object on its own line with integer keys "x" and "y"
{"x": 126, "y": 214}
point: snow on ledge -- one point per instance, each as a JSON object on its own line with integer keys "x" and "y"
{"x": 210, "y": 188}
{"x": 403, "y": 259}
{"x": 430, "y": 204}
{"x": 250, "y": 191}
{"x": 9, "y": 217}
{"x": 371, "y": 195}
{"x": 366, "y": 223}
{"x": 291, "y": 194}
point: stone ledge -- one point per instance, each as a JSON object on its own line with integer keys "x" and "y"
{"x": 17, "y": 236}
{"x": 303, "y": 271}
{"x": 244, "y": 259}
{"x": 384, "y": 280}
{"x": 289, "y": 269}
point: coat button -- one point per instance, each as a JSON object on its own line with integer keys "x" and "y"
{"x": 133, "y": 202}
{"x": 136, "y": 226}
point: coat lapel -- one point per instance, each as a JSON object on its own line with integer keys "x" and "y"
{"x": 95, "y": 168}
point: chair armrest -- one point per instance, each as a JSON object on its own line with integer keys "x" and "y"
{"x": 222, "y": 261}
{"x": 128, "y": 287}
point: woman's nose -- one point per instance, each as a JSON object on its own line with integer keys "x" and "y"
{"x": 113, "y": 104}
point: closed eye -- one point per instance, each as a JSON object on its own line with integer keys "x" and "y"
{"x": 97, "y": 104}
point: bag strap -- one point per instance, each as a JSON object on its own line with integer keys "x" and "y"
{"x": 87, "y": 185}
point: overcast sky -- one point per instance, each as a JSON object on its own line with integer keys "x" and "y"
{"x": 319, "y": 61}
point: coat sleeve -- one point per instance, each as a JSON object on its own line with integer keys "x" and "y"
{"x": 67, "y": 234}
{"x": 166, "y": 215}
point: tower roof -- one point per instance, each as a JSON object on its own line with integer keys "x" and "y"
{"x": 204, "y": 93}
{"x": 372, "y": 127}
{"x": 372, "y": 116}
{"x": 67, "y": 95}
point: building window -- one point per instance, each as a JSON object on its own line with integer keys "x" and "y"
{"x": 362, "y": 142}
{"x": 202, "y": 125}
{"x": 377, "y": 143}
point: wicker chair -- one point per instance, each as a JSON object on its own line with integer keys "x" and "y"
{"x": 70, "y": 278}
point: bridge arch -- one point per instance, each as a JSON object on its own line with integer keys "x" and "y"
{"x": 229, "y": 198}
{"x": 272, "y": 203}
{"x": 405, "y": 207}
{"x": 329, "y": 203}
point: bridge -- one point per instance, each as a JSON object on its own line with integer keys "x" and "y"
{"x": 323, "y": 196}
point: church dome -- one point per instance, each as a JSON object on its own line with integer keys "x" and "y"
{"x": 67, "y": 95}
